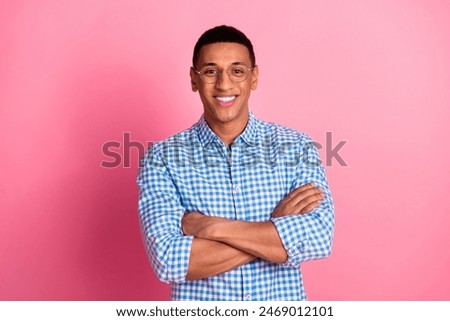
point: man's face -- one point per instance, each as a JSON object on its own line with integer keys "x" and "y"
{"x": 225, "y": 101}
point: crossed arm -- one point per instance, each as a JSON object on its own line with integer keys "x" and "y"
{"x": 213, "y": 245}
{"x": 232, "y": 243}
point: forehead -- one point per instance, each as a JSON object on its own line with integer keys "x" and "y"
{"x": 223, "y": 53}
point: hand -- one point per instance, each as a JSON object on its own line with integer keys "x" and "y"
{"x": 198, "y": 225}
{"x": 301, "y": 200}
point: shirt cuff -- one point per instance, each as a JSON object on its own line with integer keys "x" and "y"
{"x": 293, "y": 237}
{"x": 178, "y": 259}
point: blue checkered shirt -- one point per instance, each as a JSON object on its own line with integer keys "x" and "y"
{"x": 194, "y": 171}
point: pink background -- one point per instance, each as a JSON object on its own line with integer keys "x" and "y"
{"x": 77, "y": 74}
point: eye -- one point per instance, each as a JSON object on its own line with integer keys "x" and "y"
{"x": 238, "y": 71}
{"x": 210, "y": 72}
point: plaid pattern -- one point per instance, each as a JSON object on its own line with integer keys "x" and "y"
{"x": 194, "y": 171}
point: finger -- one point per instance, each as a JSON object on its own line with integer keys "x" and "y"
{"x": 293, "y": 204}
{"x": 302, "y": 188}
{"x": 296, "y": 205}
{"x": 193, "y": 214}
{"x": 290, "y": 203}
{"x": 304, "y": 194}
{"x": 183, "y": 225}
{"x": 308, "y": 200}
{"x": 310, "y": 207}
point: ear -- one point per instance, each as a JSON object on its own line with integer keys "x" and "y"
{"x": 193, "y": 75}
{"x": 254, "y": 78}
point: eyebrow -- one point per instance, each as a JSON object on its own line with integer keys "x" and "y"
{"x": 214, "y": 64}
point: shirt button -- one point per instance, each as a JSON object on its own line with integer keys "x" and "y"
{"x": 248, "y": 297}
{"x": 237, "y": 189}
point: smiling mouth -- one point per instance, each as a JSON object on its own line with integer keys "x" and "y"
{"x": 225, "y": 99}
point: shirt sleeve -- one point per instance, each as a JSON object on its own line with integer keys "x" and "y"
{"x": 160, "y": 213}
{"x": 308, "y": 236}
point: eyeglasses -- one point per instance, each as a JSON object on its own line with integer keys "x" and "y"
{"x": 237, "y": 73}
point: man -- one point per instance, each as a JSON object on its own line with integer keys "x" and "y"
{"x": 230, "y": 207}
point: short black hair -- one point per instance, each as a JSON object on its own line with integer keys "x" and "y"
{"x": 223, "y": 34}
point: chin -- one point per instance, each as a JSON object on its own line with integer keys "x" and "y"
{"x": 226, "y": 115}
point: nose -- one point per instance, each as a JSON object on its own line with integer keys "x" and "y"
{"x": 224, "y": 82}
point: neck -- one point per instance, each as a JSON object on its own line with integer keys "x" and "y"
{"x": 228, "y": 131}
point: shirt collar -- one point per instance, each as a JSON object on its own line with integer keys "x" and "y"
{"x": 249, "y": 135}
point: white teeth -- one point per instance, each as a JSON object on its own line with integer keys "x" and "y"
{"x": 226, "y": 99}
